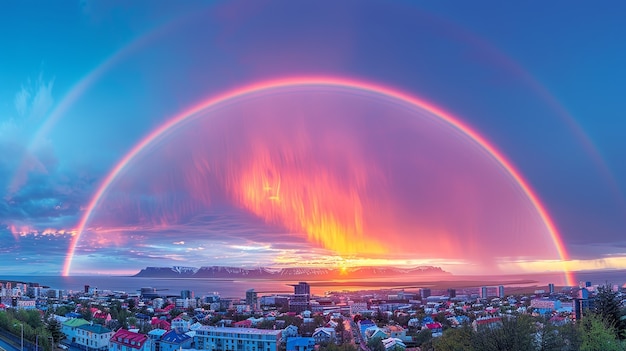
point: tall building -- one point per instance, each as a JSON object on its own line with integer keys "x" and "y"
{"x": 252, "y": 299}
{"x": 301, "y": 300}
{"x": 424, "y": 293}
{"x": 483, "y": 292}
{"x": 186, "y": 294}
{"x": 551, "y": 288}
{"x": 501, "y": 291}
{"x": 452, "y": 293}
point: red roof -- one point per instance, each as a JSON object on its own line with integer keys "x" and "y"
{"x": 488, "y": 320}
{"x": 161, "y": 324}
{"x": 435, "y": 325}
{"x": 128, "y": 338}
{"x": 243, "y": 324}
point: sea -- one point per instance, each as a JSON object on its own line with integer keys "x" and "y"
{"x": 238, "y": 287}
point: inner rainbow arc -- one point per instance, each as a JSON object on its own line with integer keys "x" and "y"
{"x": 328, "y": 82}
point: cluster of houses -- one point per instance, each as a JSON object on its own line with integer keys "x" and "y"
{"x": 190, "y": 336}
{"x": 399, "y": 317}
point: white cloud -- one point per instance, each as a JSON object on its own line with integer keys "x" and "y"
{"x": 33, "y": 100}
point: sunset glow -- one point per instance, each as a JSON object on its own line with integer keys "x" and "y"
{"x": 285, "y": 165}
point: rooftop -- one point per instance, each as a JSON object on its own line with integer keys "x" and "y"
{"x": 254, "y": 331}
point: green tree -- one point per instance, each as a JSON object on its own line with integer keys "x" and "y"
{"x": 424, "y": 337}
{"x": 375, "y": 344}
{"x": 266, "y": 324}
{"x": 598, "y": 335}
{"x": 513, "y": 334}
{"x": 54, "y": 328}
{"x": 607, "y": 306}
{"x": 455, "y": 339}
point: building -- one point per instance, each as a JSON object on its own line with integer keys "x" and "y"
{"x": 300, "y": 344}
{"x": 357, "y": 307}
{"x": 93, "y": 337}
{"x": 301, "y": 300}
{"x": 172, "y": 341}
{"x": 452, "y": 293}
{"x": 393, "y": 344}
{"x": 551, "y": 288}
{"x": 324, "y": 335}
{"x": 395, "y": 331}
{"x": 545, "y": 306}
{"x": 291, "y": 331}
{"x": 69, "y": 328}
{"x": 483, "y": 292}
{"x": 182, "y": 323}
{"x": 424, "y": 293}
{"x": 154, "y": 336}
{"x": 236, "y": 339}
{"x": 501, "y": 291}
{"x": 125, "y": 340}
{"x": 252, "y": 299}
{"x": 186, "y": 294}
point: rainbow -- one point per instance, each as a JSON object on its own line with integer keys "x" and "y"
{"x": 307, "y": 81}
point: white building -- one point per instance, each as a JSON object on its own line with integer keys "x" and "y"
{"x": 236, "y": 339}
{"x": 70, "y": 326}
{"x": 93, "y": 337}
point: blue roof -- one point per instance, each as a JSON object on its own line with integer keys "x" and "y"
{"x": 175, "y": 338}
{"x": 299, "y": 341}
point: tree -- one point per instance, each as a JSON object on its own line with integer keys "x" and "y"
{"x": 266, "y": 324}
{"x": 607, "y": 306}
{"x": 54, "y": 328}
{"x": 425, "y": 336}
{"x": 131, "y": 305}
{"x": 340, "y": 329}
{"x": 598, "y": 335}
{"x": 513, "y": 334}
{"x": 455, "y": 339}
{"x": 375, "y": 344}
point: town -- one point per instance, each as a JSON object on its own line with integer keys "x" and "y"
{"x": 34, "y": 318}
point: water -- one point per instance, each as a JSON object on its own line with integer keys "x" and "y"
{"x": 237, "y": 288}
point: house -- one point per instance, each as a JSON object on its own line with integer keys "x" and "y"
{"x": 126, "y": 340}
{"x": 395, "y": 331}
{"x": 93, "y": 337}
{"x": 154, "y": 336}
{"x": 246, "y": 323}
{"x": 290, "y": 332}
{"x": 105, "y": 316}
{"x": 69, "y": 328}
{"x": 324, "y": 335}
{"x": 375, "y": 332}
{"x": 172, "y": 341}
{"x": 160, "y": 323}
{"x": 393, "y": 344}
{"x": 487, "y": 322}
{"x": 181, "y": 323}
{"x": 435, "y": 328}
{"x": 300, "y": 344}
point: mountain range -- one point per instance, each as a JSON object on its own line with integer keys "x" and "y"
{"x": 288, "y": 273}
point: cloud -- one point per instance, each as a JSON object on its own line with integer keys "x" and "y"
{"x": 34, "y": 99}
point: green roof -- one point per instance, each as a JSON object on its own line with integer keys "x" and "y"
{"x": 75, "y": 322}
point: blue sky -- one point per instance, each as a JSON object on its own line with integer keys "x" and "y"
{"x": 544, "y": 82}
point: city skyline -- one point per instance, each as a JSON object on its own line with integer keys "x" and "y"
{"x": 313, "y": 134}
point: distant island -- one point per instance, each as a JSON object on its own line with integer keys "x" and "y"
{"x": 289, "y": 273}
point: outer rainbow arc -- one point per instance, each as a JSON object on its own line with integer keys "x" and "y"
{"x": 326, "y": 81}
